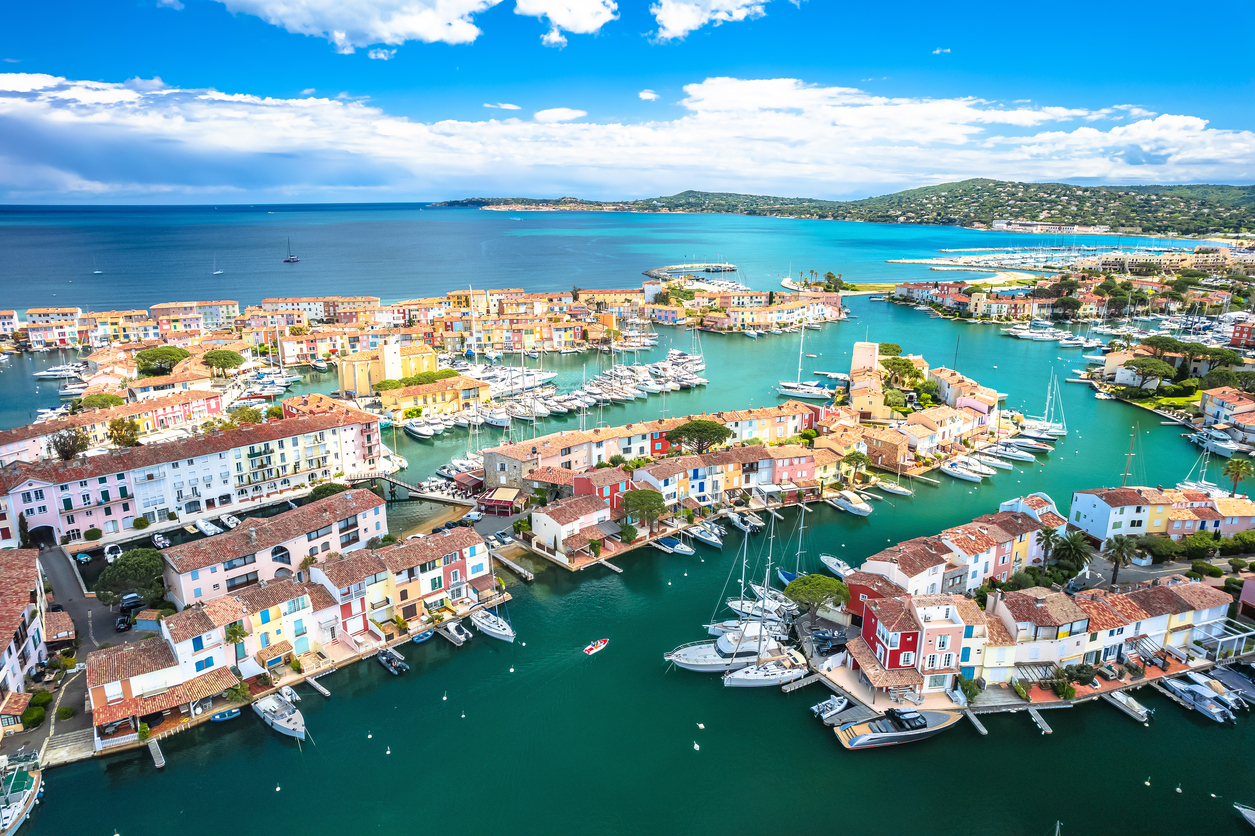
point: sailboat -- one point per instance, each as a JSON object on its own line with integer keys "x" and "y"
{"x": 490, "y": 623}
{"x": 1045, "y": 427}
{"x": 787, "y": 577}
{"x": 96, "y": 271}
{"x": 291, "y": 259}
{"x": 216, "y": 272}
{"x": 786, "y": 666}
{"x": 810, "y": 390}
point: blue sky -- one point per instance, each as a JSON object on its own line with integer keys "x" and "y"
{"x": 246, "y": 100}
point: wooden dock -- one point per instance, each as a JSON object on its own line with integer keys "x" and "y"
{"x": 158, "y": 758}
{"x": 790, "y": 687}
{"x": 513, "y": 567}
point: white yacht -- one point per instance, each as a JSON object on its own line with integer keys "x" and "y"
{"x": 1215, "y": 441}
{"x": 731, "y": 651}
{"x": 787, "y": 668}
{"x": 491, "y": 624}
{"x": 207, "y": 528}
{"x": 959, "y": 472}
{"x": 281, "y": 715}
{"x": 975, "y": 466}
{"x": 836, "y": 565}
{"x": 418, "y": 428}
{"x": 850, "y": 501}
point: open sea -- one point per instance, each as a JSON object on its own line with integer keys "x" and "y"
{"x": 537, "y": 738}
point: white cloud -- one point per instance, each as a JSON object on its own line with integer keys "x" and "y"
{"x": 503, "y": 106}
{"x": 581, "y": 17}
{"x": 309, "y": 91}
{"x": 172, "y": 4}
{"x": 558, "y": 114}
{"x": 940, "y": 51}
{"x": 381, "y": 54}
{"x": 648, "y": 95}
{"x": 359, "y": 23}
{"x": 13, "y": 60}
{"x": 68, "y": 140}
{"x": 676, "y": 18}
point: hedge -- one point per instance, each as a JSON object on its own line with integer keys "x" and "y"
{"x": 140, "y": 523}
{"x": 1206, "y": 569}
{"x": 93, "y": 534}
{"x": 65, "y": 712}
{"x": 33, "y": 717}
{"x": 41, "y": 698}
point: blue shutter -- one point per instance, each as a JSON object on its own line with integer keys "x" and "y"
{"x": 198, "y": 644}
{"x": 967, "y": 653}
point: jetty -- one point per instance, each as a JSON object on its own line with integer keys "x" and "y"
{"x": 414, "y": 491}
{"x": 980, "y": 727}
{"x": 790, "y": 687}
{"x": 513, "y": 567}
{"x": 1040, "y": 721}
{"x": 154, "y": 748}
{"x": 665, "y": 273}
{"x": 318, "y": 686}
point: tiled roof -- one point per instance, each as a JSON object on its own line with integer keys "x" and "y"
{"x": 1013, "y": 523}
{"x": 319, "y": 598}
{"x": 1159, "y": 600}
{"x": 915, "y": 556}
{"x": 552, "y": 475}
{"x": 570, "y": 510}
{"x": 211, "y": 682}
{"x": 1052, "y": 520}
{"x": 19, "y": 580}
{"x": 352, "y": 568}
{"x": 1101, "y": 616}
{"x": 443, "y": 385}
{"x": 894, "y": 613}
{"x": 413, "y": 553}
{"x": 1117, "y": 497}
{"x": 256, "y": 534}
{"x": 876, "y": 673}
{"x": 267, "y": 653}
{"x": 15, "y": 702}
{"x": 1198, "y": 595}
{"x": 103, "y": 416}
{"x": 968, "y": 611}
{"x": 997, "y": 634}
{"x": 188, "y": 624}
{"x": 1122, "y": 604}
{"x": 58, "y": 626}
{"x": 600, "y": 478}
{"x": 1235, "y": 507}
{"x": 269, "y": 594}
{"x": 150, "y": 455}
{"x": 1042, "y": 607}
{"x": 114, "y": 664}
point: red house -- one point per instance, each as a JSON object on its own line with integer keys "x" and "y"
{"x": 891, "y": 631}
{"x": 609, "y": 483}
{"x": 865, "y": 587}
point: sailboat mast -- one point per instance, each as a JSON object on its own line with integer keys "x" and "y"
{"x": 1128, "y": 459}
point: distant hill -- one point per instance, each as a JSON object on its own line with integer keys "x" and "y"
{"x": 1185, "y": 210}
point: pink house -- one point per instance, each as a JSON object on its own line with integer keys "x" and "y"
{"x": 789, "y": 463}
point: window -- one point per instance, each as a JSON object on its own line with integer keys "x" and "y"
{"x": 907, "y": 657}
{"x": 241, "y": 580}
{"x": 239, "y": 561}
{"x": 932, "y": 661}
{"x": 196, "y": 592}
{"x": 437, "y": 583}
{"x": 265, "y": 616}
{"x": 943, "y": 642}
{"x": 947, "y": 660}
{"x": 198, "y": 643}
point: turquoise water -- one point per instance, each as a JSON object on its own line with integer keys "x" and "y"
{"x": 570, "y": 744}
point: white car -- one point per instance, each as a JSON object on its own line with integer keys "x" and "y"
{"x": 112, "y": 552}
{"x": 474, "y": 516}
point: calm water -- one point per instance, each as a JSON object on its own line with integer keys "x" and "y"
{"x": 566, "y": 743}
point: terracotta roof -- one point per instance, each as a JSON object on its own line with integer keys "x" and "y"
{"x": 894, "y": 614}
{"x": 272, "y": 593}
{"x": 996, "y": 633}
{"x": 426, "y": 549}
{"x": 275, "y": 650}
{"x": 1052, "y": 520}
{"x": 968, "y": 611}
{"x": 256, "y": 534}
{"x": 1037, "y": 503}
{"x": 1122, "y": 604}
{"x": 19, "y": 582}
{"x": 1101, "y": 616}
{"x": 211, "y": 682}
{"x": 58, "y": 626}
{"x": 600, "y": 478}
{"x": 915, "y": 556}
{"x": 319, "y": 597}
{"x": 1013, "y": 523}
{"x": 1235, "y": 507}
{"x": 352, "y": 568}
{"x": 442, "y": 385}
{"x": 552, "y": 475}
{"x": 1198, "y": 595}
{"x": 114, "y": 664}
{"x": 188, "y": 624}
{"x": 570, "y": 510}
{"x": 1117, "y": 497}
{"x": 15, "y": 702}
{"x": 876, "y": 673}
{"x": 1042, "y": 607}
{"x": 1159, "y": 600}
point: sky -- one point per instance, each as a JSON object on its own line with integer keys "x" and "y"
{"x": 196, "y": 101}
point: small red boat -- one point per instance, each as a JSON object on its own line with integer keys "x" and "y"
{"x": 596, "y": 646}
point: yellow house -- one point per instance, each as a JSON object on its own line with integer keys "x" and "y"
{"x": 359, "y": 372}
{"x": 443, "y": 397}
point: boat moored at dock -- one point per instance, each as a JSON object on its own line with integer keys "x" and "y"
{"x": 897, "y": 725}
{"x": 281, "y": 715}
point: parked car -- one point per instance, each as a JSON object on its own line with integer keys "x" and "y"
{"x": 474, "y": 516}
{"x": 56, "y": 608}
{"x": 491, "y": 542}
{"x": 122, "y": 624}
{"x": 130, "y": 603}
{"x": 505, "y": 536}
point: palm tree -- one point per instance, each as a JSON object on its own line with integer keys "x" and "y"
{"x": 1238, "y": 470}
{"x": 1049, "y": 539}
{"x": 1119, "y": 551}
{"x": 1073, "y": 548}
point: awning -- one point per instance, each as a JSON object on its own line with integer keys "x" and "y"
{"x": 469, "y": 480}
{"x": 767, "y": 488}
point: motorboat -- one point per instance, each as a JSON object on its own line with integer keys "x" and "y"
{"x": 1231, "y": 700}
{"x": 958, "y": 471}
{"x": 1215, "y": 441}
{"x": 596, "y": 647}
{"x": 491, "y": 624}
{"x": 1200, "y": 698}
{"x": 758, "y": 611}
{"x": 458, "y": 630}
{"x": 281, "y": 715}
{"x": 731, "y": 651}
{"x": 805, "y": 389}
{"x": 1029, "y": 444}
{"x": 161, "y": 541}
{"x": 392, "y": 661}
{"x": 673, "y": 545}
{"x": 897, "y": 725}
{"x": 419, "y": 638}
{"x": 742, "y": 522}
{"x": 230, "y": 520}
{"x": 787, "y": 668}
{"x": 1104, "y": 396}
{"x": 751, "y": 333}
{"x": 775, "y": 628}
{"x": 418, "y": 428}
{"x": 830, "y": 708}
{"x": 207, "y": 528}
{"x": 1013, "y": 453}
{"x": 704, "y": 535}
{"x": 112, "y": 552}
{"x": 836, "y": 565}
{"x": 21, "y": 787}
{"x": 775, "y": 596}
{"x": 993, "y": 461}
{"x": 850, "y": 501}
{"x": 975, "y": 466}
{"x": 1037, "y": 435}
{"x": 497, "y": 418}
{"x": 1134, "y": 707}
{"x": 318, "y": 365}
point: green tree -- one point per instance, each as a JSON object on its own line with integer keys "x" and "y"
{"x": 327, "y": 489}
{"x": 68, "y": 443}
{"x": 123, "y": 432}
{"x": 100, "y": 400}
{"x": 1067, "y": 305}
{"x": 239, "y": 693}
{"x": 235, "y": 633}
{"x": 1238, "y": 470}
{"x": 700, "y": 435}
{"x": 247, "y": 415}
{"x": 1148, "y": 368}
{"x": 646, "y": 506}
{"x": 223, "y": 359}
{"x": 901, "y": 370}
{"x": 1217, "y": 378}
{"x": 617, "y": 459}
{"x": 138, "y": 571}
{"x": 627, "y": 532}
{"x": 23, "y": 532}
{"x": 1119, "y": 550}
{"x": 160, "y": 360}
{"x": 928, "y": 389}
{"x": 815, "y": 591}
{"x": 1162, "y": 345}
{"x": 1073, "y": 550}
{"x": 274, "y": 413}
{"x": 1049, "y": 540}
{"x": 894, "y": 398}
{"x": 890, "y": 349}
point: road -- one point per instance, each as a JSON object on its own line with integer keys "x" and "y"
{"x": 93, "y": 621}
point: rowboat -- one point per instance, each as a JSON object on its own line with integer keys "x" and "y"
{"x": 229, "y": 714}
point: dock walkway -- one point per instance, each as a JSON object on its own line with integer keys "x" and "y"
{"x": 155, "y": 749}
{"x": 513, "y": 567}
{"x": 318, "y": 686}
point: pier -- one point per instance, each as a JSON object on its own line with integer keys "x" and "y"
{"x": 980, "y": 727}
{"x": 790, "y": 687}
{"x": 606, "y": 562}
{"x": 415, "y": 492}
{"x": 318, "y": 686}
{"x": 513, "y": 567}
{"x": 1040, "y": 721}
{"x": 665, "y": 273}
{"x": 154, "y": 749}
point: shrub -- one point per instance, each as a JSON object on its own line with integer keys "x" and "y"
{"x": 1229, "y": 546}
{"x": 295, "y": 665}
{"x": 140, "y": 523}
{"x": 143, "y": 731}
{"x": 65, "y": 712}
{"x": 1198, "y": 546}
{"x": 968, "y": 687}
{"x": 171, "y": 516}
{"x": 1233, "y": 586}
{"x": 93, "y": 534}
{"x": 1206, "y": 569}
{"x": 1237, "y": 564}
{"x": 264, "y": 680}
{"x": 1194, "y": 576}
{"x": 1020, "y": 689}
{"x": 1159, "y": 548}
{"x": 33, "y": 717}
{"x": 627, "y": 532}
{"x": 41, "y": 698}
{"x": 1022, "y": 580}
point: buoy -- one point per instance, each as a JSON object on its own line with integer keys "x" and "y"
{"x": 276, "y": 790}
{"x": 511, "y": 669}
{"x": 369, "y": 735}
{"x": 1147, "y": 781}
{"x": 525, "y": 644}
{"x": 668, "y": 583}
{"x": 1178, "y": 787}
{"x": 686, "y": 574}
{"x": 463, "y": 715}
{"x": 696, "y": 747}
{"x": 701, "y": 725}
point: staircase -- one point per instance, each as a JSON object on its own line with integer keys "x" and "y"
{"x": 905, "y": 693}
